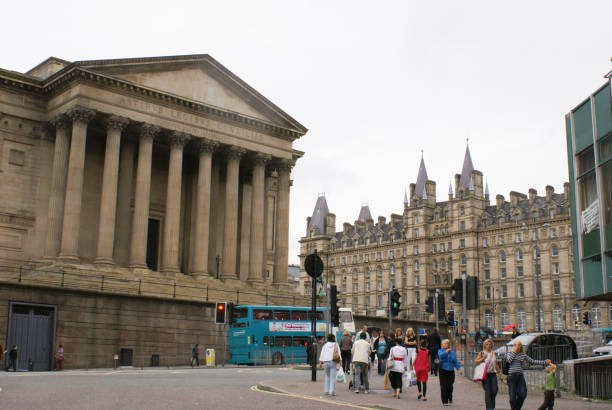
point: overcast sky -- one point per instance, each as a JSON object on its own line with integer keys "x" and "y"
{"x": 374, "y": 82}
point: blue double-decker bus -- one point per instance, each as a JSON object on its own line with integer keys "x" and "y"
{"x": 271, "y": 334}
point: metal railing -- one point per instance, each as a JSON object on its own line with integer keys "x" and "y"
{"x": 594, "y": 380}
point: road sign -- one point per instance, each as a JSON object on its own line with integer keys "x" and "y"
{"x": 313, "y": 265}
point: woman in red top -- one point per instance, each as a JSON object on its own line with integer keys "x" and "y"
{"x": 421, "y": 368}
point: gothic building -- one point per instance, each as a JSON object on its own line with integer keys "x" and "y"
{"x": 517, "y": 248}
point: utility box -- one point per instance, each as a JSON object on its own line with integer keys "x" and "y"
{"x": 210, "y": 357}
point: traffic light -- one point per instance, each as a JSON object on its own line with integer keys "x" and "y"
{"x": 450, "y": 317}
{"x": 441, "y": 306}
{"x": 576, "y": 324}
{"x": 472, "y": 292}
{"x": 457, "y": 291}
{"x": 586, "y": 318}
{"x": 333, "y": 305}
{"x": 430, "y": 305}
{"x": 220, "y": 312}
{"x": 395, "y": 302}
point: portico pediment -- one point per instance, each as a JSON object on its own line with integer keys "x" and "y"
{"x": 199, "y": 78}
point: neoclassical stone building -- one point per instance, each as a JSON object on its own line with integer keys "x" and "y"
{"x": 148, "y": 169}
{"x": 513, "y": 247}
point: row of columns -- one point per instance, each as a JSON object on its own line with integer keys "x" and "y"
{"x": 66, "y": 194}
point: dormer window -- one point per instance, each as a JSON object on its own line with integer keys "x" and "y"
{"x": 392, "y": 237}
{"x": 551, "y": 213}
{"x": 380, "y": 240}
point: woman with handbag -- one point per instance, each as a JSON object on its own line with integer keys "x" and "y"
{"x": 329, "y": 360}
{"x": 489, "y": 384}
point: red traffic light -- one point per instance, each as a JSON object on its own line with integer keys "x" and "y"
{"x": 219, "y": 307}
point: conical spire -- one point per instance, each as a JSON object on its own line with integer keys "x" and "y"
{"x": 319, "y": 215}
{"x": 450, "y": 188}
{"x": 468, "y": 167}
{"x": 364, "y": 213}
{"x": 421, "y": 178}
{"x": 424, "y": 194}
{"x": 487, "y": 188}
{"x": 405, "y": 197}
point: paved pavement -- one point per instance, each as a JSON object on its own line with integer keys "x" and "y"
{"x": 228, "y": 388}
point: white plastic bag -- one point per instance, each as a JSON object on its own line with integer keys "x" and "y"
{"x": 410, "y": 378}
{"x": 340, "y": 376}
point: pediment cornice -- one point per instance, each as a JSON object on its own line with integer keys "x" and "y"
{"x": 75, "y": 73}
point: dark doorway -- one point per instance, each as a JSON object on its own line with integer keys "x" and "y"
{"x": 153, "y": 243}
{"x": 31, "y": 328}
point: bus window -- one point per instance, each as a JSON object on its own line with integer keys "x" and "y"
{"x": 281, "y": 315}
{"x": 265, "y": 340}
{"x": 271, "y": 341}
{"x": 319, "y": 316}
{"x": 238, "y": 314}
{"x": 283, "y": 341}
{"x": 262, "y": 314}
{"x": 298, "y": 315}
{"x": 300, "y": 341}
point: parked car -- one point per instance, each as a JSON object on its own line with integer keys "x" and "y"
{"x": 603, "y": 350}
{"x": 540, "y": 346}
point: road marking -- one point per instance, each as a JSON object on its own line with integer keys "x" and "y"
{"x": 321, "y": 400}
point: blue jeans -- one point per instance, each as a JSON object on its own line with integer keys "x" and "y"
{"x": 381, "y": 363}
{"x": 361, "y": 371}
{"x": 330, "y": 376}
{"x": 517, "y": 389}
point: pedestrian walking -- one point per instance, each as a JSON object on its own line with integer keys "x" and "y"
{"x": 421, "y": 369}
{"x": 364, "y": 329}
{"x": 373, "y": 340}
{"x": 448, "y": 364}
{"x": 195, "y": 361}
{"x": 361, "y": 362}
{"x": 489, "y": 384}
{"x": 410, "y": 343}
{"x": 517, "y": 388}
{"x": 380, "y": 347}
{"x": 399, "y": 337}
{"x": 346, "y": 344}
{"x": 59, "y": 358}
{"x": 329, "y": 360}
{"x": 397, "y": 364}
{"x": 12, "y": 359}
{"x": 549, "y": 390}
{"x": 434, "y": 343}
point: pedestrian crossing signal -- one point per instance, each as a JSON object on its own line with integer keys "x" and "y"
{"x": 220, "y": 309}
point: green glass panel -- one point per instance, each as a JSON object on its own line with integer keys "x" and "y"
{"x": 608, "y": 237}
{"x": 593, "y": 277}
{"x": 590, "y": 244}
{"x": 609, "y": 271}
{"x": 570, "y": 159}
{"x": 603, "y": 112}
{"x": 583, "y": 126}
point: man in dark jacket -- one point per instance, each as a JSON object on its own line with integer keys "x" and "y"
{"x": 434, "y": 343}
{"x": 12, "y": 359}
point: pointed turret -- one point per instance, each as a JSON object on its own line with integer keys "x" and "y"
{"x": 471, "y": 186}
{"x": 424, "y": 194}
{"x": 364, "y": 213}
{"x": 319, "y": 216}
{"x": 487, "y": 188}
{"x": 421, "y": 179}
{"x": 405, "y": 197}
{"x": 468, "y": 168}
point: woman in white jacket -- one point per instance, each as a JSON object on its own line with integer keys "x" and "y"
{"x": 398, "y": 364}
{"x": 326, "y": 361}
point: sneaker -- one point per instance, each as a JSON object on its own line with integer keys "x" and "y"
{"x": 367, "y": 392}
{"x": 333, "y": 394}
{"x": 356, "y": 391}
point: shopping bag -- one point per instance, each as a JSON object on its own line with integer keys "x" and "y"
{"x": 340, "y": 376}
{"x": 386, "y": 382}
{"x": 480, "y": 372}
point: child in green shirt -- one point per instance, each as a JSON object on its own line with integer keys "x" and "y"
{"x": 549, "y": 389}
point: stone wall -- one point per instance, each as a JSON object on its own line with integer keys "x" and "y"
{"x": 93, "y": 327}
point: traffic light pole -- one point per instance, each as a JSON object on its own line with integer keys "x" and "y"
{"x": 313, "y": 338}
{"x": 436, "y": 309}
{"x": 464, "y": 321}
{"x": 390, "y": 314}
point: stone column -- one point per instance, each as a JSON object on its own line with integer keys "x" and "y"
{"x": 170, "y": 254}
{"x": 202, "y": 217}
{"x": 74, "y": 183}
{"x": 256, "y": 255}
{"x": 58, "y": 186}
{"x": 230, "y": 228}
{"x": 108, "y": 200}
{"x": 281, "y": 241}
{"x": 140, "y": 220}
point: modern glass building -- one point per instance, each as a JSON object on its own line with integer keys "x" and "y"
{"x": 589, "y": 148}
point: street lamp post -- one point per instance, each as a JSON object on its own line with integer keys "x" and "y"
{"x": 538, "y": 284}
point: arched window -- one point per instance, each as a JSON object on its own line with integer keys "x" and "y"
{"x": 379, "y": 271}
{"x": 392, "y": 269}
{"x": 355, "y": 274}
{"x": 521, "y": 319}
{"x": 576, "y": 314}
{"x": 463, "y": 259}
{"x": 519, "y": 254}
{"x": 539, "y": 317}
{"x": 416, "y": 265}
{"x": 536, "y": 252}
{"x": 557, "y": 321}
{"x": 486, "y": 258}
{"x": 405, "y": 268}
{"x": 502, "y": 256}
{"x": 596, "y": 315}
{"x": 488, "y": 318}
{"x": 554, "y": 250}
{"x": 504, "y": 318}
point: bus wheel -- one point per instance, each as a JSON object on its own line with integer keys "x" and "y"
{"x": 277, "y": 358}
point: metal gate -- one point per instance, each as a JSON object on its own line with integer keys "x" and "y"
{"x": 32, "y": 329}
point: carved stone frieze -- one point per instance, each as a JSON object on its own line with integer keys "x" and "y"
{"x": 18, "y": 220}
{"x": 117, "y": 122}
{"x": 149, "y": 131}
{"x": 178, "y": 138}
{"x": 207, "y": 145}
{"x": 81, "y": 114}
{"x": 261, "y": 159}
{"x": 234, "y": 152}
